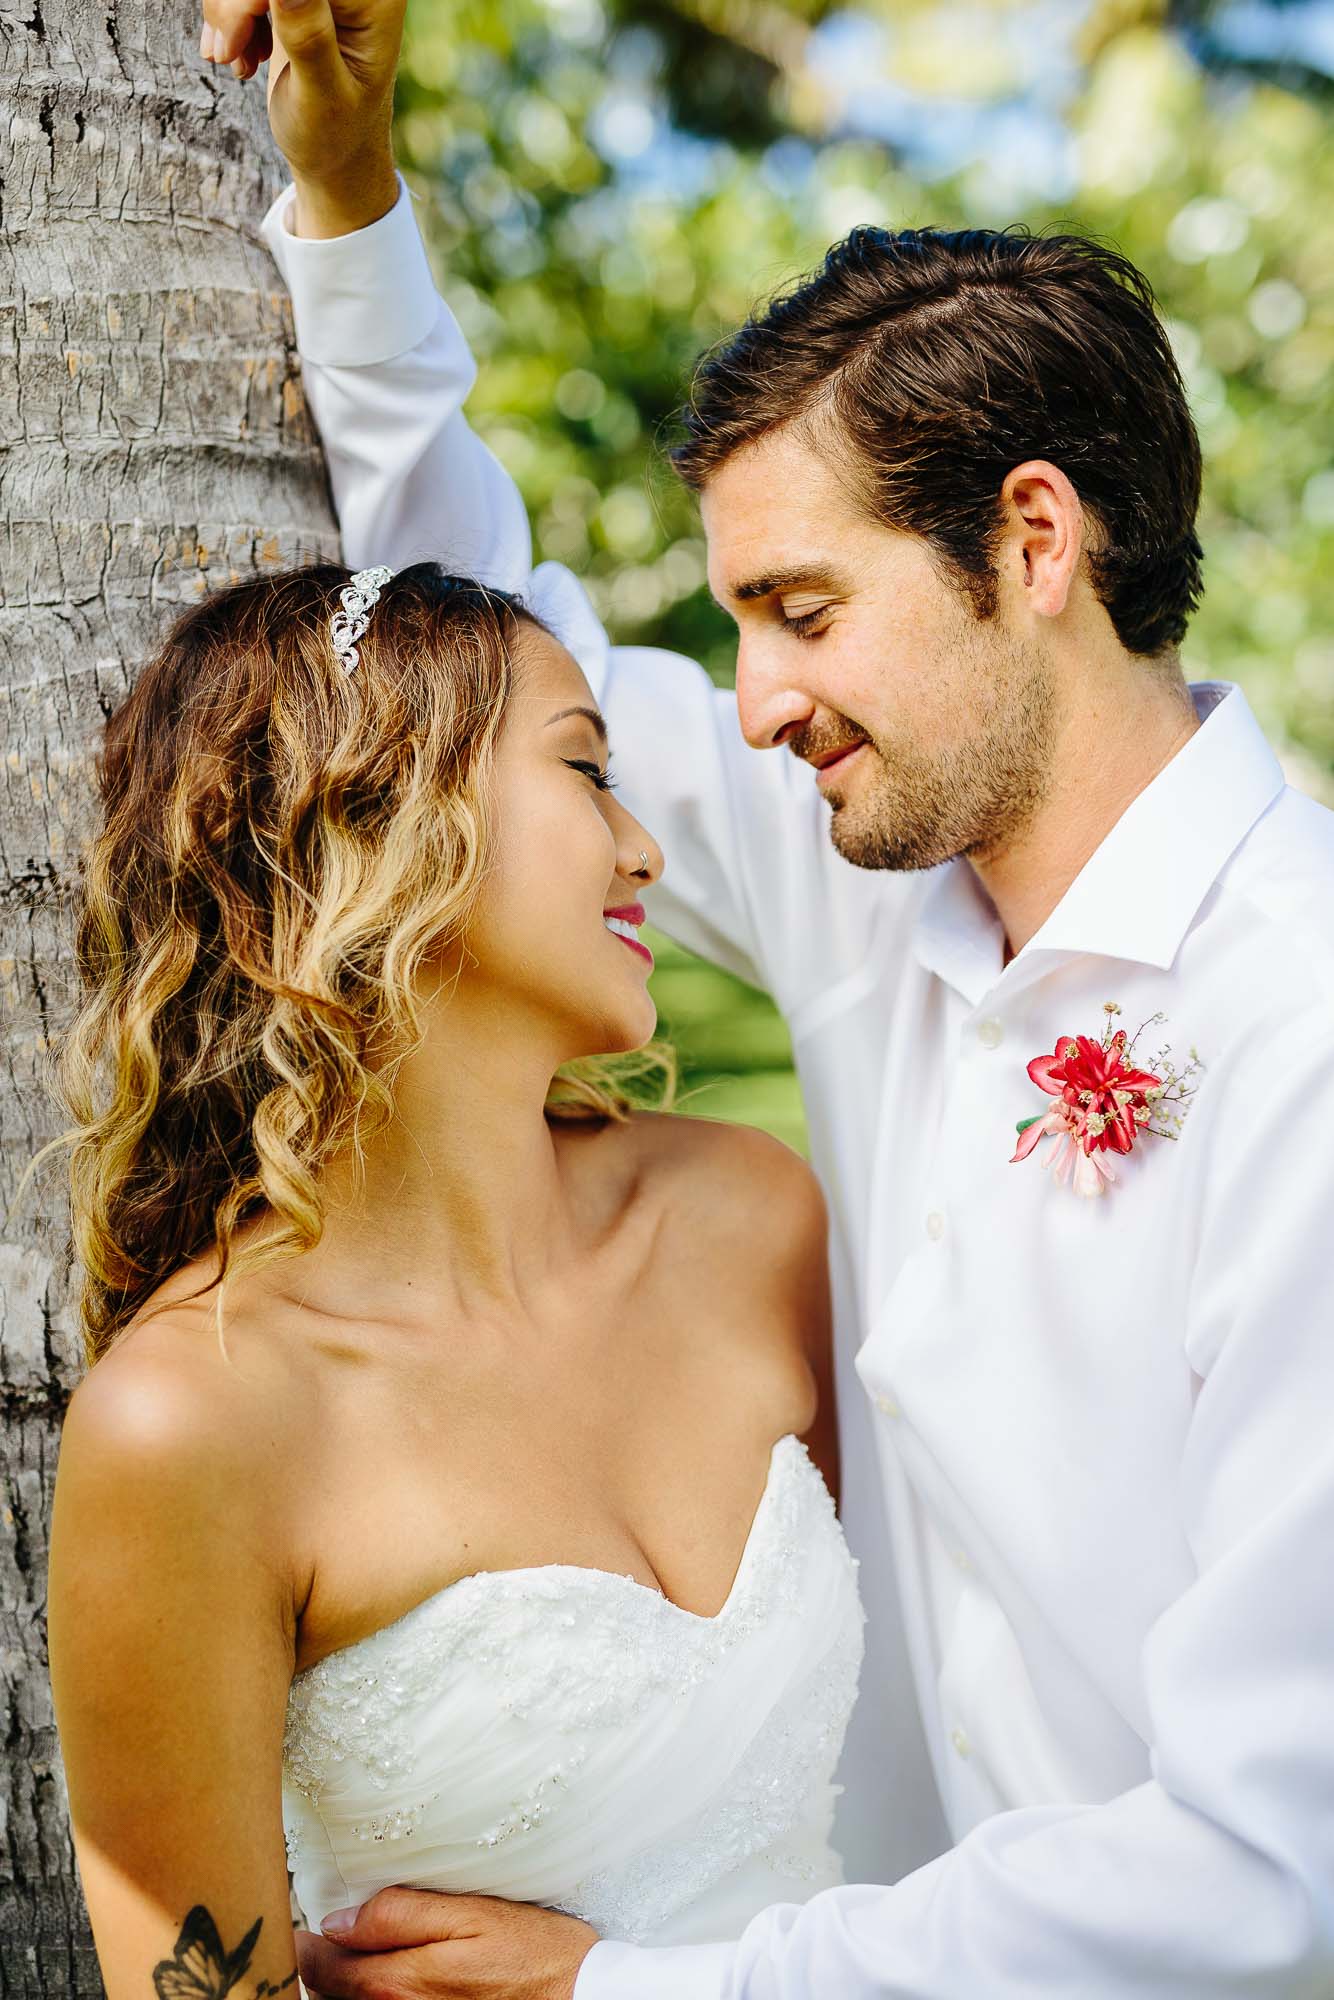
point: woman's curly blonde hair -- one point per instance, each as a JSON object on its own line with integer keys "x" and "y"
{"x": 282, "y": 846}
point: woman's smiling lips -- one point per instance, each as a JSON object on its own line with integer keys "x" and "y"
{"x": 623, "y": 924}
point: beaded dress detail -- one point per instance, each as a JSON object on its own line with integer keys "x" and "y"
{"x": 570, "y": 1736}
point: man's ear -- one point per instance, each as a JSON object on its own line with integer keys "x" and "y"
{"x": 1042, "y": 534}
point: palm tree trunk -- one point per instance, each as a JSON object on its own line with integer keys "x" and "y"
{"x": 155, "y": 443}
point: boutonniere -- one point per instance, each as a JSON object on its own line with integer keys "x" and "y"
{"x": 1104, "y": 1103}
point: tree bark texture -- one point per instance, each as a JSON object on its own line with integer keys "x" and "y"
{"x": 155, "y": 443}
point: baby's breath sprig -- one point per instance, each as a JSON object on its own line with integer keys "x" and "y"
{"x": 1168, "y": 1101}
{"x": 1150, "y": 1022}
{"x": 1176, "y": 1090}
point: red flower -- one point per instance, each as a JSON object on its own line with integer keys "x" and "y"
{"x": 1102, "y": 1102}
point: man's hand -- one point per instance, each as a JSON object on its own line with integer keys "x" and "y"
{"x": 330, "y": 97}
{"x": 412, "y": 1944}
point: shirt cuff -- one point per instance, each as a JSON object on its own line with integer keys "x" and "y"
{"x": 614, "y": 1971}
{"x": 360, "y": 298}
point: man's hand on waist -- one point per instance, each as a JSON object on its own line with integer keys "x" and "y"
{"x": 415, "y": 1944}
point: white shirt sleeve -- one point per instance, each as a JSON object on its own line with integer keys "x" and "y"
{"x": 1216, "y": 1877}
{"x": 386, "y": 372}
{"x": 752, "y": 881}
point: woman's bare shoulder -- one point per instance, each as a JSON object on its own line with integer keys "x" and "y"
{"x": 174, "y": 1342}
{"x": 758, "y": 1211}
{"x": 725, "y": 1178}
{"x": 166, "y": 1402}
{"x": 745, "y": 1223}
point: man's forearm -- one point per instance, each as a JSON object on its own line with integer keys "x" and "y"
{"x": 359, "y": 194}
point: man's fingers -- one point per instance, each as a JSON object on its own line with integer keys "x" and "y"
{"x": 228, "y": 25}
{"x": 241, "y": 32}
{"x": 257, "y": 50}
{"x": 332, "y": 1972}
{"x": 317, "y": 1961}
{"x": 415, "y": 1944}
{"x": 396, "y": 1918}
{"x": 309, "y": 37}
{"x": 391, "y": 1925}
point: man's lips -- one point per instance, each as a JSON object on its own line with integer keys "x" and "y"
{"x": 835, "y": 761}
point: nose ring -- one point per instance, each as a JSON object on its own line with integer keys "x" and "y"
{"x": 643, "y": 863}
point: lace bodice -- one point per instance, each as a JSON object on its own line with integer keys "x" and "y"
{"x": 570, "y": 1736}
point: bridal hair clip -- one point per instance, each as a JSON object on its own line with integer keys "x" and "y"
{"x": 358, "y": 600}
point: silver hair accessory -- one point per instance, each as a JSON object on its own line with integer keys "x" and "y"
{"x": 358, "y": 599}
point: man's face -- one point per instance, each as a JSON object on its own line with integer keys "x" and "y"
{"x": 851, "y": 640}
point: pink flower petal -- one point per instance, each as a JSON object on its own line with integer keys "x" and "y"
{"x": 1092, "y": 1175}
{"x": 1039, "y": 1129}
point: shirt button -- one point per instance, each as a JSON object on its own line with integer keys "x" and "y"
{"x": 887, "y": 1406}
{"x": 990, "y": 1033}
{"x": 960, "y": 1561}
{"x": 960, "y": 1742}
{"x": 935, "y": 1225}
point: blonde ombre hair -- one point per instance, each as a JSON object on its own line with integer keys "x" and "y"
{"x": 282, "y": 847}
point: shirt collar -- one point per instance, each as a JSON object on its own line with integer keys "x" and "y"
{"x": 1139, "y": 891}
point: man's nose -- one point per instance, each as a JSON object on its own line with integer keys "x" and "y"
{"x": 770, "y": 705}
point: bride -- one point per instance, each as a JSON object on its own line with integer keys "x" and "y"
{"x": 444, "y": 1501}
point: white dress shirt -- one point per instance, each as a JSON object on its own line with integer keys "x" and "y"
{"x": 1096, "y": 1435}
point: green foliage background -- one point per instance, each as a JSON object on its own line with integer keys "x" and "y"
{"x": 612, "y": 184}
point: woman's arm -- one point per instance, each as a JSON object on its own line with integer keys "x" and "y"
{"x": 171, "y": 1633}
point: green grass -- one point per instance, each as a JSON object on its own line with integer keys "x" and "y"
{"x": 732, "y": 1044}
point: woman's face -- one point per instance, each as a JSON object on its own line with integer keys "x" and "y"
{"x": 567, "y": 860}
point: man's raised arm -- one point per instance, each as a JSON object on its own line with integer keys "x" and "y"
{"x": 752, "y": 881}
{"x": 386, "y": 371}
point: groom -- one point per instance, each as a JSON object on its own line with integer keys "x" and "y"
{"x": 1056, "y": 945}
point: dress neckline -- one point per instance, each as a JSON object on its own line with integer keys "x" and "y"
{"x": 479, "y": 1579}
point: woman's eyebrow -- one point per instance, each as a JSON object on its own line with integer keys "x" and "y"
{"x": 589, "y": 715}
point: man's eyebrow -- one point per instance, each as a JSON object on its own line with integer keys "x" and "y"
{"x": 589, "y": 715}
{"x": 774, "y": 580}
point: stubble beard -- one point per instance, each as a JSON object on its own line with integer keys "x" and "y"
{"x": 913, "y": 811}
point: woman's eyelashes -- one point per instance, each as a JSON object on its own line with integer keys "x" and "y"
{"x": 604, "y": 780}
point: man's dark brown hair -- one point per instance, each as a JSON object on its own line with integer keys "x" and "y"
{"x": 945, "y": 358}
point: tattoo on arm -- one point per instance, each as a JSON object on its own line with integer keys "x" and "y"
{"x": 202, "y": 1970}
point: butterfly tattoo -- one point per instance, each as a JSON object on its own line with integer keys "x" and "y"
{"x": 201, "y": 1969}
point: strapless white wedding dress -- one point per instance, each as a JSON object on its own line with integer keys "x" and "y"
{"x": 571, "y": 1737}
